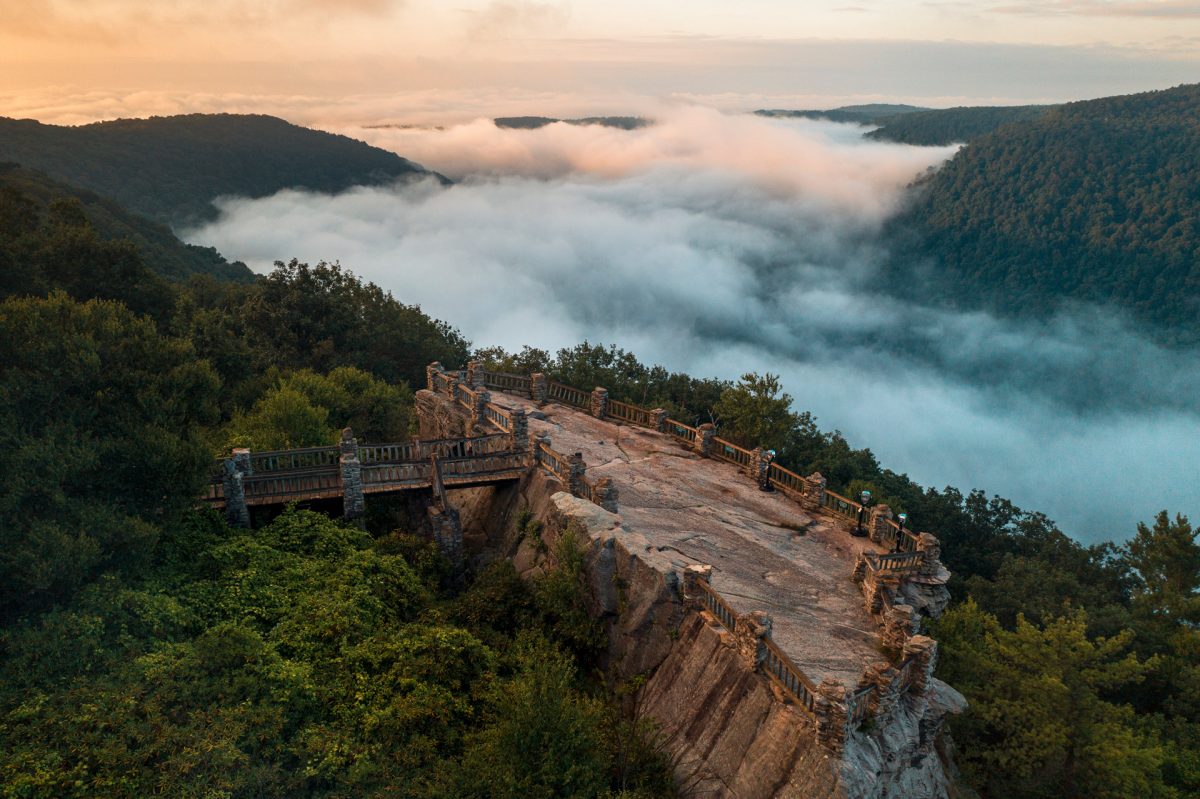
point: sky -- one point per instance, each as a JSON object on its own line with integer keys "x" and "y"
{"x": 77, "y": 60}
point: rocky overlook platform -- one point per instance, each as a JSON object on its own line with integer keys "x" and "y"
{"x": 678, "y": 509}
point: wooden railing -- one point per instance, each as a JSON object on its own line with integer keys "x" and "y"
{"x": 787, "y": 481}
{"x": 717, "y": 605}
{"x": 502, "y": 381}
{"x": 272, "y": 487}
{"x": 681, "y": 430}
{"x": 553, "y": 462}
{"x": 568, "y": 394}
{"x": 499, "y": 417}
{"x": 842, "y": 506}
{"x": 789, "y": 676}
{"x": 858, "y": 703}
{"x": 908, "y": 539}
{"x": 630, "y": 413}
{"x": 895, "y": 562}
{"x": 292, "y": 459}
{"x": 728, "y": 451}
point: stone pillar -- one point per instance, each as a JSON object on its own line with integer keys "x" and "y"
{"x": 880, "y": 531}
{"x": 833, "y": 720}
{"x": 760, "y": 468}
{"x": 749, "y": 636}
{"x": 882, "y": 676}
{"x": 599, "y": 402}
{"x": 923, "y": 650}
{"x": 931, "y": 548}
{"x": 577, "y": 483}
{"x": 237, "y": 468}
{"x": 447, "y": 532}
{"x": 696, "y": 573}
{"x": 535, "y": 450}
{"x": 658, "y": 420}
{"x": 704, "y": 438}
{"x": 605, "y": 494}
{"x": 539, "y": 388}
{"x": 478, "y": 414}
{"x": 815, "y": 496}
{"x": 897, "y": 626}
{"x": 354, "y": 501}
{"x": 430, "y": 371}
{"x": 476, "y": 375}
{"x": 520, "y": 430}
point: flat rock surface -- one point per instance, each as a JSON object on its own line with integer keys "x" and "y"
{"x": 766, "y": 552}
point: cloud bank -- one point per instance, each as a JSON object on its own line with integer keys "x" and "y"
{"x": 716, "y": 245}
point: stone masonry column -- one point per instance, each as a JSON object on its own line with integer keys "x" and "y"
{"x": 879, "y": 530}
{"x": 833, "y": 718}
{"x": 577, "y": 483}
{"x": 658, "y": 420}
{"x": 539, "y": 388}
{"x": 478, "y": 414}
{"x": 520, "y": 430}
{"x": 923, "y": 650}
{"x": 929, "y": 545}
{"x": 882, "y": 677}
{"x": 704, "y": 438}
{"x": 476, "y": 377}
{"x": 535, "y": 449}
{"x": 815, "y": 496}
{"x": 749, "y": 636}
{"x": 237, "y": 468}
{"x": 696, "y": 573}
{"x": 605, "y": 494}
{"x": 897, "y": 626}
{"x": 430, "y": 371}
{"x": 599, "y": 402}
{"x": 760, "y": 468}
{"x": 354, "y": 501}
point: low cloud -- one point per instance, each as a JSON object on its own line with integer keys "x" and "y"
{"x": 718, "y": 244}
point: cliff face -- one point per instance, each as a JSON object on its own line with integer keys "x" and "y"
{"x": 731, "y": 730}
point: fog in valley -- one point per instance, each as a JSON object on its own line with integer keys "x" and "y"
{"x": 718, "y": 244}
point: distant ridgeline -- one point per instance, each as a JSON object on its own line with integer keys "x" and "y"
{"x": 910, "y": 124}
{"x": 531, "y": 123}
{"x": 172, "y": 168}
{"x": 869, "y": 114}
{"x": 1092, "y": 201}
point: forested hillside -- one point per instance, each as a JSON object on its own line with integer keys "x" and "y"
{"x": 1094, "y": 201}
{"x": 33, "y": 202}
{"x": 172, "y": 168}
{"x": 941, "y": 126}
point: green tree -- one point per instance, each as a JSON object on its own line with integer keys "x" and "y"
{"x": 756, "y": 412}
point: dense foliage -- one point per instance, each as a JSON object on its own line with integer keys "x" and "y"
{"x": 1094, "y": 201}
{"x": 940, "y": 126}
{"x": 172, "y": 168}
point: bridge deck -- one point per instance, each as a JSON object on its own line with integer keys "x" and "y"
{"x": 766, "y": 553}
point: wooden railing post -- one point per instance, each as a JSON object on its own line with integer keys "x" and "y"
{"x": 354, "y": 501}
{"x": 704, "y": 438}
{"x": 539, "y": 388}
{"x": 599, "y": 406}
{"x": 237, "y": 468}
